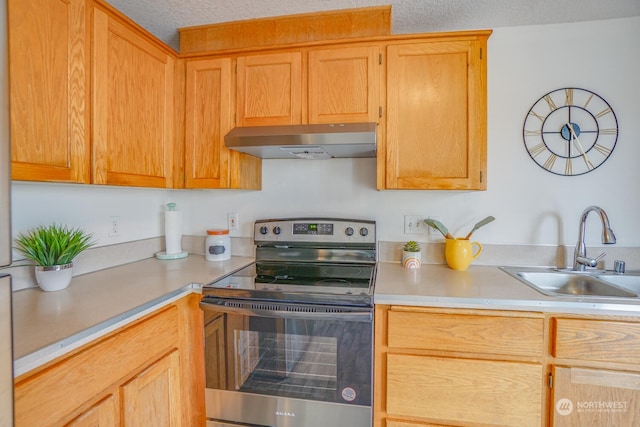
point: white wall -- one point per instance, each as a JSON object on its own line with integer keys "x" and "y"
{"x": 531, "y": 205}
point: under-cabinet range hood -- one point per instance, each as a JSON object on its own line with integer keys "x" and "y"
{"x": 318, "y": 141}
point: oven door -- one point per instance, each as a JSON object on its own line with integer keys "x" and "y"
{"x": 280, "y": 364}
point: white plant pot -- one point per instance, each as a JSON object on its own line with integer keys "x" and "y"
{"x": 54, "y": 277}
{"x": 411, "y": 260}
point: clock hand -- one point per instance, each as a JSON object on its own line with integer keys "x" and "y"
{"x": 576, "y": 142}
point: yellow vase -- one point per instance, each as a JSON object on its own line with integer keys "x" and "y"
{"x": 459, "y": 253}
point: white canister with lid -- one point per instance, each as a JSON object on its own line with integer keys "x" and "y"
{"x": 217, "y": 245}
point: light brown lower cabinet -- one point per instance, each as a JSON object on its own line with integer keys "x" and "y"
{"x": 596, "y": 372}
{"x": 595, "y": 397}
{"x": 464, "y": 390}
{"x": 153, "y": 396}
{"x": 460, "y": 367}
{"x": 392, "y": 423}
{"x": 101, "y": 414}
{"x": 149, "y": 373}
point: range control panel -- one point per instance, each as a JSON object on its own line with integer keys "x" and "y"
{"x": 311, "y": 230}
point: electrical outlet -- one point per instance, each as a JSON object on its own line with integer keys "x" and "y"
{"x": 433, "y": 233}
{"x": 232, "y": 220}
{"x": 414, "y": 224}
{"x": 114, "y": 226}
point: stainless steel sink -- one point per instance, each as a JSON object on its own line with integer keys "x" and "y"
{"x": 630, "y": 281}
{"x": 565, "y": 283}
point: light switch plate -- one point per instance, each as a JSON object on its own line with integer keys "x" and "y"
{"x": 414, "y": 224}
{"x": 232, "y": 220}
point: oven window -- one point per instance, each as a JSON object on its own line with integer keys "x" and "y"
{"x": 322, "y": 360}
{"x": 286, "y": 364}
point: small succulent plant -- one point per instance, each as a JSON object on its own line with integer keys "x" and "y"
{"x": 411, "y": 246}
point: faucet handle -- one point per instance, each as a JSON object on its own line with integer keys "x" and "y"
{"x": 589, "y": 262}
{"x": 599, "y": 257}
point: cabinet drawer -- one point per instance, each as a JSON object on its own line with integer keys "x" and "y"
{"x": 54, "y": 393}
{"x": 393, "y": 423}
{"x": 517, "y": 336}
{"x": 597, "y": 340}
{"x": 459, "y": 390}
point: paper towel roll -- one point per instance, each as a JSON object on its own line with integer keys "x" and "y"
{"x": 173, "y": 231}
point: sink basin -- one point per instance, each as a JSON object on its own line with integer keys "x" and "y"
{"x": 569, "y": 284}
{"x": 628, "y": 281}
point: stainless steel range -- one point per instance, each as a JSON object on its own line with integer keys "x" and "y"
{"x": 289, "y": 339}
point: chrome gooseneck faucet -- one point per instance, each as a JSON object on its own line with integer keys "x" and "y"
{"x": 580, "y": 260}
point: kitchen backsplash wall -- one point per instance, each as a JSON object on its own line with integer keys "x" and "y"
{"x": 108, "y": 256}
{"x": 531, "y": 206}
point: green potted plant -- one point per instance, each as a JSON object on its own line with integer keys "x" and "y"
{"x": 411, "y": 255}
{"x": 53, "y": 248}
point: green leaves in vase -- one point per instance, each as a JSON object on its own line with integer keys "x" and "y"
{"x": 54, "y": 244}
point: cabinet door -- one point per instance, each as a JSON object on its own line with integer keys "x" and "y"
{"x": 269, "y": 89}
{"x": 49, "y": 90}
{"x": 208, "y": 118}
{"x": 133, "y": 132}
{"x": 453, "y": 390}
{"x": 436, "y": 116}
{"x": 595, "y": 397}
{"x": 153, "y": 397}
{"x": 103, "y": 414}
{"x": 344, "y": 85}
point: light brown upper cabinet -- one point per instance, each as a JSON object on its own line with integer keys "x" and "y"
{"x": 344, "y": 84}
{"x": 269, "y": 89}
{"x": 133, "y": 116}
{"x": 208, "y": 113}
{"x": 436, "y": 121}
{"x": 49, "y": 69}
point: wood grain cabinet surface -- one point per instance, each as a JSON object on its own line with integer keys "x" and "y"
{"x": 269, "y": 89}
{"x": 344, "y": 84}
{"x": 92, "y": 97}
{"x": 332, "y": 84}
{"x": 96, "y": 99}
{"x": 49, "y": 90}
{"x": 436, "y": 115}
{"x": 595, "y": 397}
{"x": 208, "y": 117}
{"x": 595, "y": 372}
{"x": 133, "y": 118}
{"x": 458, "y": 367}
{"x": 147, "y": 373}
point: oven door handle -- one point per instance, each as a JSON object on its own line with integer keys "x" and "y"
{"x": 353, "y": 316}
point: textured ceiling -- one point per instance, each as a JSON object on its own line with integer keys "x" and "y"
{"x": 164, "y": 17}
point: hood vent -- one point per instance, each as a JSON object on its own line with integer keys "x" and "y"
{"x": 323, "y": 141}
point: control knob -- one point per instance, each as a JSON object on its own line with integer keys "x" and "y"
{"x": 349, "y": 231}
{"x": 276, "y": 230}
{"x": 364, "y": 231}
{"x": 264, "y": 230}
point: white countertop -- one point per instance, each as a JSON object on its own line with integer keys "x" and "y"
{"x": 487, "y": 287}
{"x": 49, "y": 324}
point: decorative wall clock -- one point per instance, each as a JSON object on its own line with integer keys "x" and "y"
{"x": 570, "y": 131}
